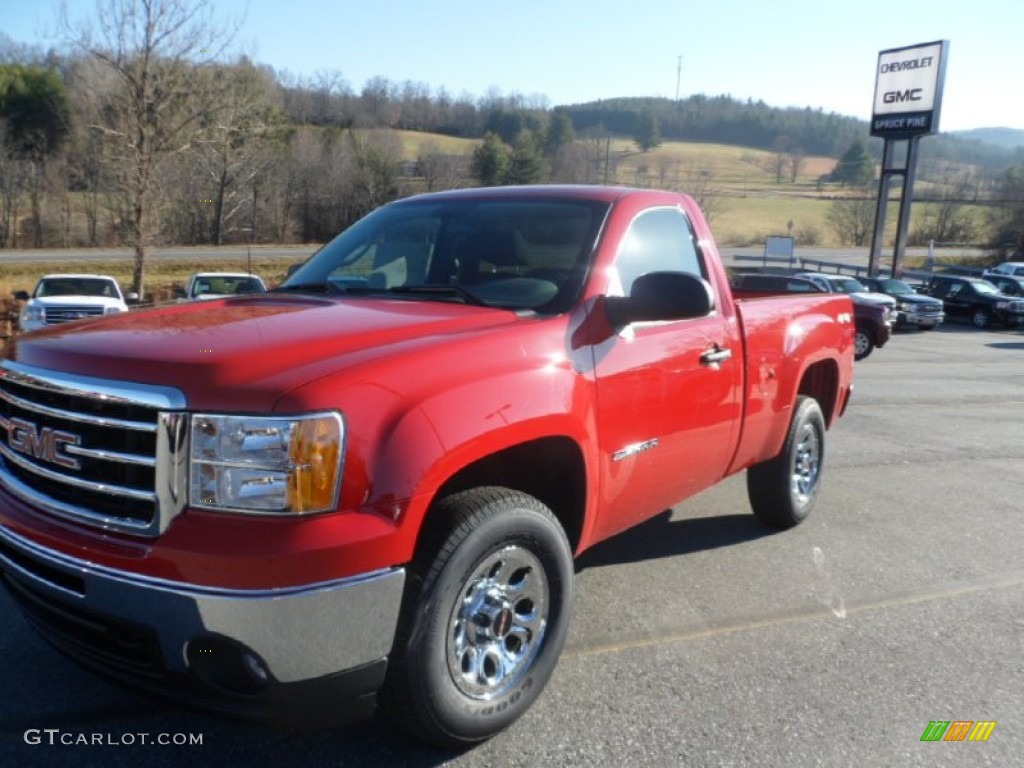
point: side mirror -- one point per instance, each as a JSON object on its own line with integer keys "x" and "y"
{"x": 131, "y": 298}
{"x": 21, "y": 295}
{"x": 178, "y": 292}
{"x": 661, "y": 296}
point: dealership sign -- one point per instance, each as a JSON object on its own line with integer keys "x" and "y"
{"x": 908, "y": 90}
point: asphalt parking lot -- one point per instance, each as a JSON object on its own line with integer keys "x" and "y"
{"x": 700, "y": 638}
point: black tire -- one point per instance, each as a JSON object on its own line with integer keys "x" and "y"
{"x": 485, "y": 614}
{"x": 783, "y": 490}
{"x": 981, "y": 317}
{"x": 863, "y": 344}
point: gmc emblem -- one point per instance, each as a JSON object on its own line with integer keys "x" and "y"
{"x": 46, "y": 444}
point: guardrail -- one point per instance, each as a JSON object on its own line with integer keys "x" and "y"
{"x": 765, "y": 260}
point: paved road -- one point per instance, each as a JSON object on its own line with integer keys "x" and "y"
{"x": 700, "y": 639}
{"x": 232, "y": 253}
{"x": 236, "y": 252}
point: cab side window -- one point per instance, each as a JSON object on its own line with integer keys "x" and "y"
{"x": 659, "y": 240}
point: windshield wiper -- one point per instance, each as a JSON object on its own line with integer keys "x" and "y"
{"x": 326, "y": 286}
{"x": 454, "y": 291}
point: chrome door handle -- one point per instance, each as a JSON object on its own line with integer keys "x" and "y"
{"x": 716, "y": 355}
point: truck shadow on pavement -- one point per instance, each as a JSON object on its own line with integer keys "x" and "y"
{"x": 662, "y": 536}
{"x": 1006, "y": 345}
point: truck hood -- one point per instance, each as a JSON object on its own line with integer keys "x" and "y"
{"x": 916, "y": 298}
{"x": 875, "y": 299}
{"x": 243, "y": 354}
{"x": 78, "y": 301}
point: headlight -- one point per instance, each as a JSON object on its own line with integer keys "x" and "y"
{"x": 266, "y": 464}
{"x": 115, "y": 310}
{"x": 1002, "y": 305}
{"x": 33, "y": 313}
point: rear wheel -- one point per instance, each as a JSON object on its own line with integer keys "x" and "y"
{"x": 783, "y": 490}
{"x": 484, "y": 618}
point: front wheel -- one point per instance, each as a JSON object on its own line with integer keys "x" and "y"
{"x": 981, "y": 317}
{"x": 863, "y": 343}
{"x": 783, "y": 490}
{"x": 484, "y": 617}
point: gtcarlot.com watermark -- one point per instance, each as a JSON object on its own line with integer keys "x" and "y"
{"x": 54, "y": 737}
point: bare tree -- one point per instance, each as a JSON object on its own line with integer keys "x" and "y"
{"x": 852, "y": 219}
{"x": 780, "y": 158}
{"x": 229, "y": 149}
{"x": 440, "y": 170}
{"x": 948, "y": 219}
{"x": 12, "y": 183}
{"x": 697, "y": 183}
{"x": 148, "y": 104}
{"x": 796, "y": 159}
{"x": 571, "y": 164}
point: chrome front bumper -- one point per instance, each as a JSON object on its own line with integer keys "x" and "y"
{"x": 915, "y": 318}
{"x": 293, "y": 636}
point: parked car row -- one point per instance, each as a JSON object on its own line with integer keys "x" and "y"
{"x": 978, "y": 300}
{"x": 913, "y": 310}
{"x": 872, "y": 315}
{"x": 882, "y": 305}
{"x": 60, "y": 298}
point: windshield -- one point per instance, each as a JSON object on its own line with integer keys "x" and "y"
{"x": 507, "y": 253}
{"x": 76, "y": 286}
{"x": 847, "y": 285}
{"x": 895, "y": 287}
{"x": 227, "y": 284}
{"x": 983, "y": 286}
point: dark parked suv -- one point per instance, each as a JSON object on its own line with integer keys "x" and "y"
{"x": 912, "y": 309}
{"x": 1011, "y": 285}
{"x": 976, "y": 300}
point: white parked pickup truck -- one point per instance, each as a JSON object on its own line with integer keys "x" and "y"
{"x": 218, "y": 285}
{"x": 60, "y": 298}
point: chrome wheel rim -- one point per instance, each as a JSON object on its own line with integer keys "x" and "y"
{"x": 806, "y": 464}
{"x": 498, "y": 624}
{"x": 980, "y": 319}
{"x": 860, "y": 343}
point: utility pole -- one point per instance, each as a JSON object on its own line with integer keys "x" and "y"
{"x": 679, "y": 75}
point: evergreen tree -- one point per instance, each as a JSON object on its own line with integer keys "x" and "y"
{"x": 856, "y": 167}
{"x": 490, "y": 161}
{"x": 526, "y": 165}
{"x": 559, "y": 133}
{"x": 647, "y": 133}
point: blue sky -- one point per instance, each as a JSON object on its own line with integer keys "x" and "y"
{"x": 795, "y": 53}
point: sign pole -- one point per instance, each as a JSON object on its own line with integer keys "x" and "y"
{"x": 908, "y": 102}
{"x": 906, "y": 198}
{"x": 881, "y": 208}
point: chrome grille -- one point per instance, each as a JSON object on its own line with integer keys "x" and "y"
{"x": 66, "y": 313}
{"x": 105, "y": 453}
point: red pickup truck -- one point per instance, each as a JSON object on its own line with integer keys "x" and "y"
{"x": 374, "y": 478}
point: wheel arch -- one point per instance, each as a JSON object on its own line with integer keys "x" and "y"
{"x": 551, "y": 469}
{"x": 821, "y": 381}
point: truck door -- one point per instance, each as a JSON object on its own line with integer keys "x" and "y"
{"x": 668, "y": 393}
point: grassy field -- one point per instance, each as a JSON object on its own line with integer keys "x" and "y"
{"x": 744, "y": 198}
{"x": 747, "y": 199}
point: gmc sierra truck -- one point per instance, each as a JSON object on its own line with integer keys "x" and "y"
{"x": 370, "y": 483}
